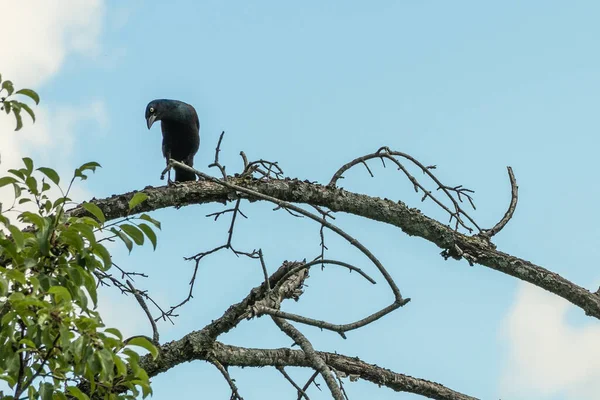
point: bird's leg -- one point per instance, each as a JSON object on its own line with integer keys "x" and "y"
{"x": 169, "y": 181}
{"x": 168, "y": 169}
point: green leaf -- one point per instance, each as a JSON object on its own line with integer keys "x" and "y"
{"x": 114, "y": 331}
{"x": 28, "y": 164}
{"x": 19, "y": 276}
{"x": 32, "y": 218}
{"x": 17, "y": 173}
{"x": 124, "y": 238}
{"x": 3, "y": 286}
{"x": 106, "y": 360}
{"x": 46, "y": 390}
{"x": 17, "y": 189}
{"x": 8, "y": 86}
{"x": 104, "y": 255}
{"x": 72, "y": 238}
{"x": 146, "y": 389}
{"x": 121, "y": 367}
{"x": 60, "y": 293}
{"x": 148, "y": 218}
{"x": 17, "y": 114}
{"x": 95, "y": 211}
{"x": 43, "y": 236}
{"x": 90, "y": 286}
{"x": 50, "y": 173}
{"x": 27, "y": 109}
{"x": 7, "y": 180}
{"x": 31, "y": 183}
{"x": 11, "y": 381}
{"x": 17, "y": 236}
{"x": 143, "y": 342}
{"x": 31, "y": 94}
{"x": 149, "y": 233}
{"x": 10, "y": 249}
{"x": 60, "y": 201}
{"x": 75, "y": 275}
{"x": 134, "y": 233}
{"x": 76, "y": 392}
{"x": 92, "y": 165}
{"x": 137, "y": 198}
{"x": 28, "y": 343}
{"x": 85, "y": 231}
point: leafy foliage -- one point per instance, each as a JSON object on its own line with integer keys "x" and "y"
{"x": 8, "y": 104}
{"x": 52, "y": 340}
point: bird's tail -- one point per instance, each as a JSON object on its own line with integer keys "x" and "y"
{"x": 183, "y": 176}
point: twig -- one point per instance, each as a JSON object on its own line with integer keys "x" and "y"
{"x": 140, "y": 300}
{"x": 309, "y": 381}
{"x": 311, "y": 355}
{"x": 270, "y": 166}
{"x": 340, "y": 382}
{"x": 324, "y": 214}
{"x": 235, "y": 395}
{"x": 386, "y": 153}
{"x": 301, "y": 392}
{"x": 511, "y": 208}
{"x": 264, "y": 269}
{"x": 318, "y": 260}
{"x": 216, "y": 163}
{"x": 236, "y": 209}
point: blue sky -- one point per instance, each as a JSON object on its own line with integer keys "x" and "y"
{"x": 469, "y": 86}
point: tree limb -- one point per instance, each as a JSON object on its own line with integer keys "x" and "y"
{"x": 184, "y": 350}
{"x": 410, "y": 220}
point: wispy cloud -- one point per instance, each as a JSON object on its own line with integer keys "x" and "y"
{"x": 48, "y": 32}
{"x": 547, "y": 355}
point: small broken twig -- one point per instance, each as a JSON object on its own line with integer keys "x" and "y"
{"x": 511, "y": 208}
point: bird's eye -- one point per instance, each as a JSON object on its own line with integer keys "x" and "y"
{"x": 151, "y": 109}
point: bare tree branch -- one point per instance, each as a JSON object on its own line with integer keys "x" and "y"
{"x": 235, "y": 395}
{"x": 514, "y": 197}
{"x": 311, "y": 355}
{"x": 385, "y": 153}
{"x": 190, "y": 348}
{"x": 216, "y": 163}
{"x": 409, "y": 220}
{"x": 140, "y": 300}
{"x": 301, "y": 392}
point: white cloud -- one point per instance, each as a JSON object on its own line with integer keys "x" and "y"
{"x": 46, "y": 32}
{"x": 548, "y": 356}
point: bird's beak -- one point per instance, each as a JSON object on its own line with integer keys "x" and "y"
{"x": 151, "y": 120}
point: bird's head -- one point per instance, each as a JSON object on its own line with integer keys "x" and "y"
{"x": 154, "y": 111}
{"x": 173, "y": 110}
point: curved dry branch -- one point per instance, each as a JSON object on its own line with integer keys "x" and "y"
{"x": 514, "y": 198}
{"x": 385, "y": 153}
{"x": 409, "y": 220}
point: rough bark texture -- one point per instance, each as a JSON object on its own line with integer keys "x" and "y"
{"x": 410, "y": 220}
{"x": 187, "y": 349}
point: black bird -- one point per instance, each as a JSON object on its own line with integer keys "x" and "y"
{"x": 180, "y": 130}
